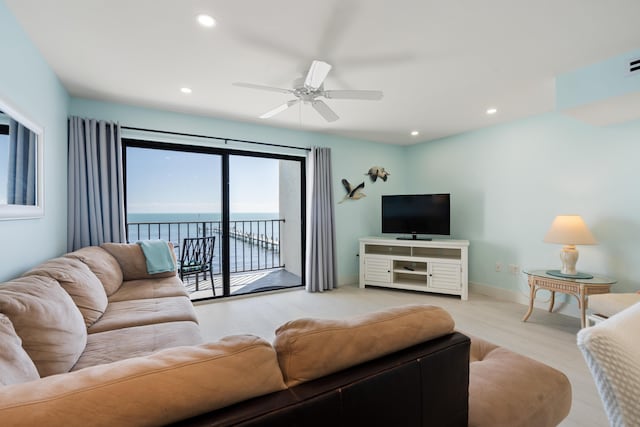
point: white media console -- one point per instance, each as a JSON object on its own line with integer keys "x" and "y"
{"x": 439, "y": 266}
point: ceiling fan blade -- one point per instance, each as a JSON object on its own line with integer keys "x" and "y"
{"x": 261, "y": 87}
{"x": 324, "y": 110}
{"x": 279, "y": 109}
{"x": 316, "y": 75}
{"x": 372, "y": 95}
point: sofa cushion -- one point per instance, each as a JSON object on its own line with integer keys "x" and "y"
{"x": 81, "y": 284}
{"x": 124, "y": 314}
{"x": 15, "y": 365}
{"x": 150, "y": 288}
{"x": 111, "y": 346}
{"x": 312, "y": 348}
{"x": 507, "y": 389}
{"x": 44, "y": 316}
{"x": 132, "y": 260}
{"x": 103, "y": 265}
{"x": 159, "y": 389}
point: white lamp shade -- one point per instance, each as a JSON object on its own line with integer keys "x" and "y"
{"x": 569, "y": 230}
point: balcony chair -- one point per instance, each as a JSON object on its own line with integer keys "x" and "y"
{"x": 196, "y": 258}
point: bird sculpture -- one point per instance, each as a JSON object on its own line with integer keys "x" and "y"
{"x": 352, "y": 193}
{"x": 376, "y": 172}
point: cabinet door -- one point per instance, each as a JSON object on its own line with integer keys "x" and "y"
{"x": 444, "y": 276}
{"x": 377, "y": 269}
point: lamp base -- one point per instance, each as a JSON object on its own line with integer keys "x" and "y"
{"x": 578, "y": 275}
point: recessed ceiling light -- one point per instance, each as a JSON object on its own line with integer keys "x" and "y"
{"x": 206, "y": 21}
{"x": 186, "y": 90}
{"x": 415, "y": 133}
{"x": 492, "y": 111}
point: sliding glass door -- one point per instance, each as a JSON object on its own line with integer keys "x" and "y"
{"x": 176, "y": 195}
{"x": 265, "y": 234}
{"x": 254, "y": 223}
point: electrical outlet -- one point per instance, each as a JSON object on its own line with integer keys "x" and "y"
{"x": 514, "y": 269}
{"x": 498, "y": 266}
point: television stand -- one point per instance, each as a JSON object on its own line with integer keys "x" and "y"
{"x": 438, "y": 266}
{"x": 414, "y": 237}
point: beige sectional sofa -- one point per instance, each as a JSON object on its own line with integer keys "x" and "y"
{"x": 98, "y": 305}
{"x": 90, "y": 338}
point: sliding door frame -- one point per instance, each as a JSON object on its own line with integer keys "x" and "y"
{"x": 225, "y": 154}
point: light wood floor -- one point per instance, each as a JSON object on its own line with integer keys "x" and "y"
{"x": 547, "y": 337}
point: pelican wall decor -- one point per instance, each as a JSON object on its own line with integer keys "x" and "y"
{"x": 353, "y": 193}
{"x": 376, "y": 172}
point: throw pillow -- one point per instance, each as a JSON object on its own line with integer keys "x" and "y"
{"x": 44, "y": 316}
{"x": 15, "y": 365}
{"x": 81, "y": 284}
{"x": 103, "y": 265}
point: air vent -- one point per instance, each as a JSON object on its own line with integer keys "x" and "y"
{"x": 634, "y": 66}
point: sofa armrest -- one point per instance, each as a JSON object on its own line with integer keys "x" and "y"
{"x": 133, "y": 262}
{"x": 158, "y": 389}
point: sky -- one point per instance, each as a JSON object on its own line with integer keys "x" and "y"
{"x": 163, "y": 181}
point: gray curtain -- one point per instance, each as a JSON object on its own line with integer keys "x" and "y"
{"x": 95, "y": 181}
{"x": 321, "y": 267}
{"x": 21, "y": 182}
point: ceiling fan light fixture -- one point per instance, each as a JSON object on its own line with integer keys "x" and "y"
{"x": 206, "y": 20}
{"x": 492, "y": 110}
{"x": 186, "y": 90}
{"x": 415, "y": 133}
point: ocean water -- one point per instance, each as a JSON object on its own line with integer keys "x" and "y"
{"x": 188, "y": 217}
{"x": 254, "y": 238}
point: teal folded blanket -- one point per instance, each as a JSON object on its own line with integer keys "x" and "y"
{"x": 158, "y": 255}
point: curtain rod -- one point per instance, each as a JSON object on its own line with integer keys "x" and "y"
{"x": 214, "y": 137}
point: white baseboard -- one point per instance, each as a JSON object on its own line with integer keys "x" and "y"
{"x": 564, "y": 304}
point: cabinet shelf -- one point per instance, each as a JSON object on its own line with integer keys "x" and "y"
{"x": 416, "y": 271}
{"x": 438, "y": 266}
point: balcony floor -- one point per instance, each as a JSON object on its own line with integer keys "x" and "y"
{"x": 243, "y": 283}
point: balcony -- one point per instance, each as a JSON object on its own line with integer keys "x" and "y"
{"x": 256, "y": 258}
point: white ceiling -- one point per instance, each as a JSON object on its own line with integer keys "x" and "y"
{"x": 441, "y": 64}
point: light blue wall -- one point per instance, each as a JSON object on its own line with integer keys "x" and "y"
{"x": 598, "y": 81}
{"x": 508, "y": 182}
{"x": 351, "y": 159}
{"x": 29, "y": 85}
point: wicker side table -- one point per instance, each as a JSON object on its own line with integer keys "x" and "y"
{"x": 579, "y": 288}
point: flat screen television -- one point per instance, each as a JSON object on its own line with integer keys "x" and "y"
{"x": 416, "y": 214}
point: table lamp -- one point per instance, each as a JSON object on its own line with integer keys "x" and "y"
{"x": 569, "y": 230}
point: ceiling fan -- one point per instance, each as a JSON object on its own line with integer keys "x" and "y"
{"x": 312, "y": 88}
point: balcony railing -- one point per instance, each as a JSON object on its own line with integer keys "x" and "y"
{"x": 253, "y": 244}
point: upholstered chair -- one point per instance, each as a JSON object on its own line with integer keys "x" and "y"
{"x": 612, "y": 351}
